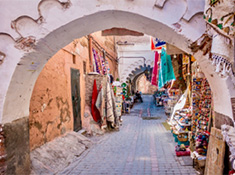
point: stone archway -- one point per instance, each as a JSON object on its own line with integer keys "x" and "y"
{"x": 32, "y": 40}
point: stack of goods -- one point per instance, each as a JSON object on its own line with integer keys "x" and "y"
{"x": 202, "y": 143}
{"x": 196, "y": 96}
{"x": 118, "y": 99}
{"x": 182, "y": 125}
{"x": 186, "y": 66}
{"x": 182, "y": 150}
{"x": 174, "y": 95}
{"x": 160, "y": 97}
{"x": 201, "y": 102}
{"x": 202, "y": 134}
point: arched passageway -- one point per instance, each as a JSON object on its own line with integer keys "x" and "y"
{"x": 38, "y": 40}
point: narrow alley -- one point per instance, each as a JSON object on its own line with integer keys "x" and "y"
{"x": 117, "y": 87}
{"x": 140, "y": 147}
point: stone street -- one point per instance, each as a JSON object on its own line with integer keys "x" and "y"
{"x": 140, "y": 147}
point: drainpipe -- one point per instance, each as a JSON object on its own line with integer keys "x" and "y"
{"x": 90, "y": 52}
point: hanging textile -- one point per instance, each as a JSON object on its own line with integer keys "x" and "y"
{"x": 166, "y": 71}
{"x": 155, "y": 70}
{"x": 94, "y": 111}
{"x": 99, "y": 63}
{"x": 100, "y": 103}
{"x": 110, "y": 108}
{"x": 103, "y": 65}
{"x": 96, "y": 65}
{"x": 107, "y": 67}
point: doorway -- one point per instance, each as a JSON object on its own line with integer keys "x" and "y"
{"x": 76, "y": 98}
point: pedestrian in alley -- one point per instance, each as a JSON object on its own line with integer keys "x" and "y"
{"x": 138, "y": 96}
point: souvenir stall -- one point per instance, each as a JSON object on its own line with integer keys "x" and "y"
{"x": 127, "y": 101}
{"x": 180, "y": 120}
{"x": 165, "y": 73}
{"x": 178, "y": 85}
{"x": 173, "y": 96}
{"x": 191, "y": 119}
{"x": 96, "y": 88}
{"x": 159, "y": 96}
{"x": 201, "y": 120}
{"x": 118, "y": 93}
{"x": 102, "y": 112}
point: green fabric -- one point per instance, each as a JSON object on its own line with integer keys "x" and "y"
{"x": 166, "y": 71}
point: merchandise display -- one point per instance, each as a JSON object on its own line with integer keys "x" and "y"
{"x": 201, "y": 114}
{"x": 118, "y": 100}
{"x": 191, "y": 114}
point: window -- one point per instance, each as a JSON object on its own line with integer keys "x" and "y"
{"x": 74, "y": 59}
{"x": 84, "y": 67}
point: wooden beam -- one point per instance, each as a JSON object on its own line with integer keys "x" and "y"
{"x": 120, "y": 32}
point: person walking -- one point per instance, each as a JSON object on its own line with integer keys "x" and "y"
{"x": 138, "y": 96}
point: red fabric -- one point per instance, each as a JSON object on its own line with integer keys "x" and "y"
{"x": 183, "y": 153}
{"x": 155, "y": 70}
{"x": 231, "y": 172}
{"x": 94, "y": 111}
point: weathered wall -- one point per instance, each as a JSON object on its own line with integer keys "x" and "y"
{"x": 144, "y": 86}
{"x": 51, "y": 112}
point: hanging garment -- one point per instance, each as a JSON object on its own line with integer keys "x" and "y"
{"x": 99, "y": 63}
{"x": 115, "y": 113}
{"x": 103, "y": 65}
{"x": 166, "y": 71}
{"x": 107, "y": 67}
{"x": 100, "y": 103}
{"x": 96, "y": 65}
{"x": 94, "y": 111}
{"x": 109, "y": 107}
{"x": 155, "y": 70}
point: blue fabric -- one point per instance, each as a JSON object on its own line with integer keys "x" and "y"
{"x": 166, "y": 71}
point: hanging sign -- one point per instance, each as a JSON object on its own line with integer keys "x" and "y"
{"x": 157, "y": 44}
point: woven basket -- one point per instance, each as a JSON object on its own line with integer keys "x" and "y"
{"x": 182, "y": 138}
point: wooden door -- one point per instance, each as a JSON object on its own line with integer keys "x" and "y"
{"x": 76, "y": 98}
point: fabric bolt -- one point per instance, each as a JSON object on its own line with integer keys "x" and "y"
{"x": 94, "y": 111}
{"x": 166, "y": 71}
{"x": 155, "y": 70}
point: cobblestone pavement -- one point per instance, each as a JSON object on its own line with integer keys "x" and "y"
{"x": 140, "y": 147}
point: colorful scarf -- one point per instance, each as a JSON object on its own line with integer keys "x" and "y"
{"x": 166, "y": 71}
{"x": 155, "y": 70}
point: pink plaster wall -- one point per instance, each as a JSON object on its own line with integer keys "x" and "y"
{"x": 51, "y": 113}
{"x": 145, "y": 86}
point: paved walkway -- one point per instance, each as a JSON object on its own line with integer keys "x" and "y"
{"x": 140, "y": 147}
